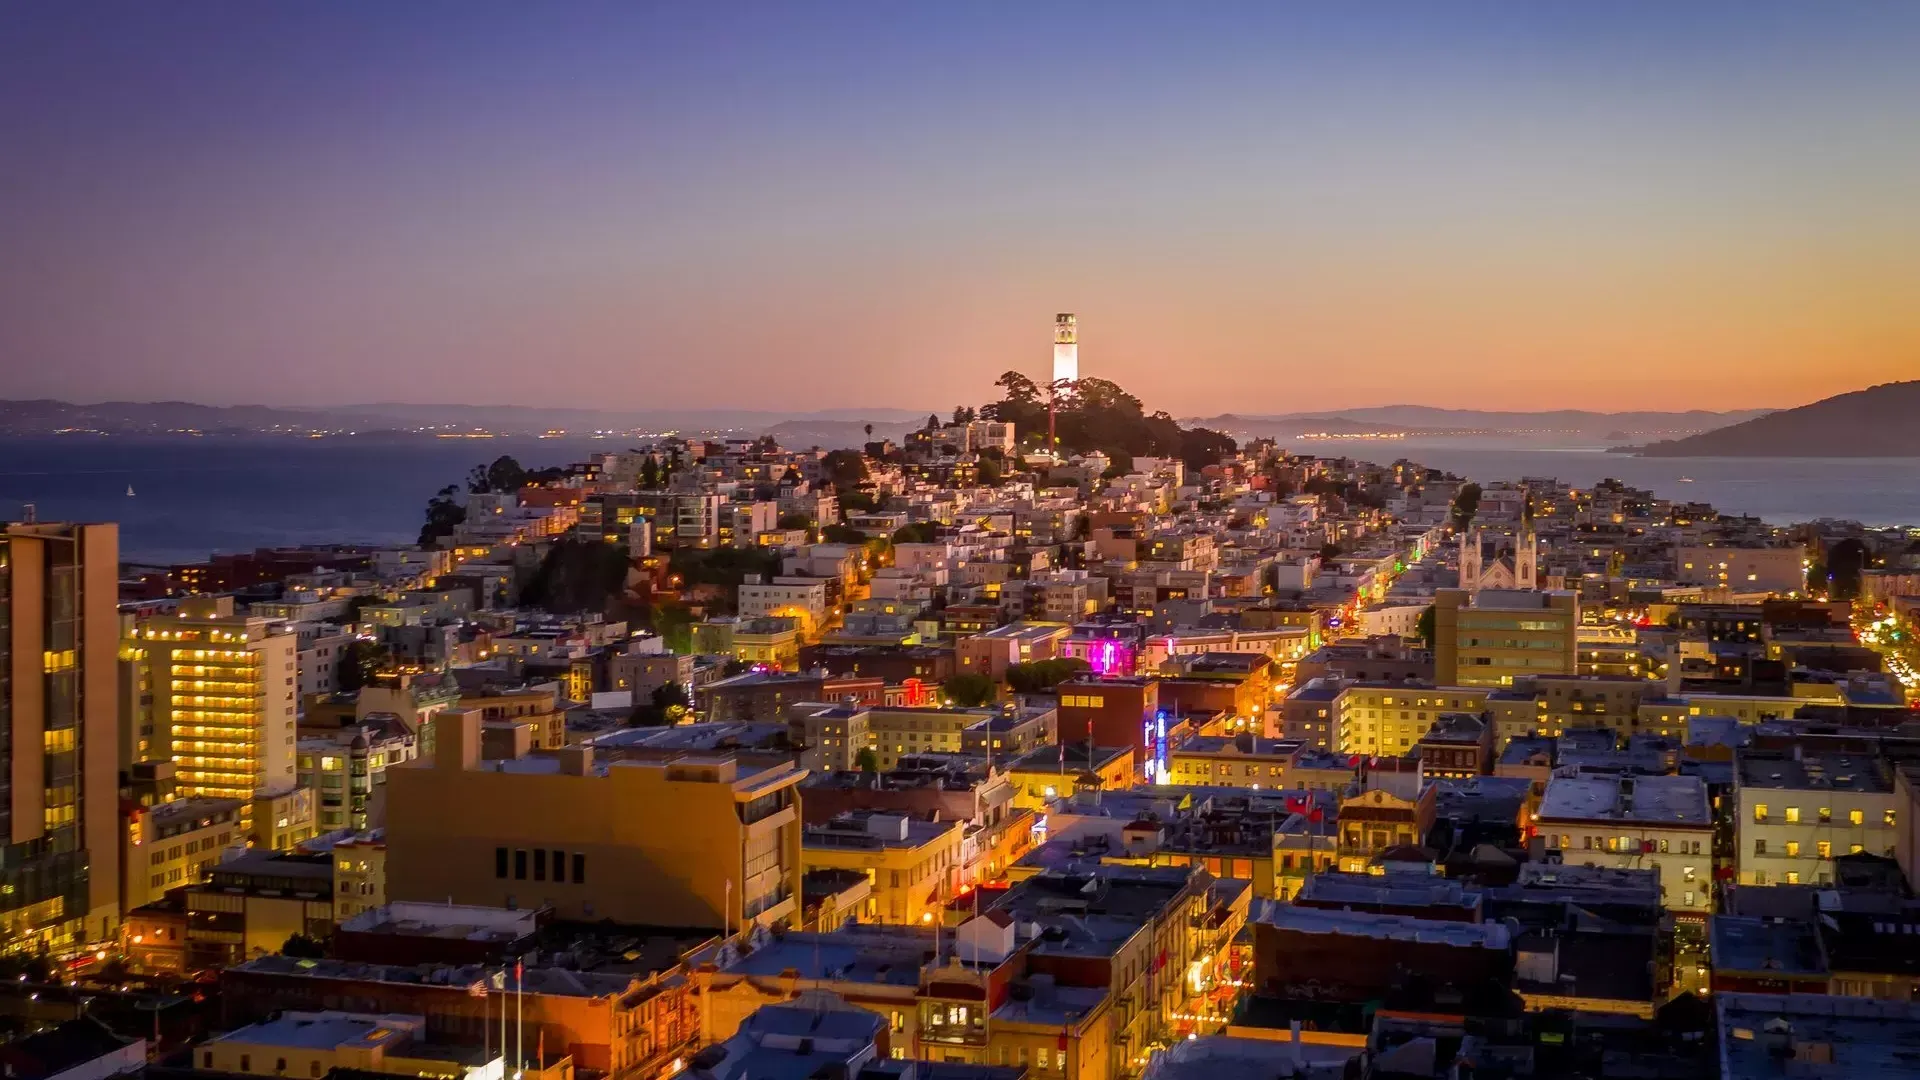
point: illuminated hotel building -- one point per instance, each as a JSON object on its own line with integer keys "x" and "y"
{"x": 59, "y": 735}
{"x": 1066, "y": 348}
{"x": 223, "y": 699}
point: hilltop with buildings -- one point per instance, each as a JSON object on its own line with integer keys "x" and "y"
{"x": 1048, "y": 739}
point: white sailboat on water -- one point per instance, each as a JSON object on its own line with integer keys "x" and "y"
{"x": 129, "y": 491}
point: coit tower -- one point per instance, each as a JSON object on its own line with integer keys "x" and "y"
{"x": 1066, "y": 349}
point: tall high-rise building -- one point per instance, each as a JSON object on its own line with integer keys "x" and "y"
{"x": 224, "y": 689}
{"x": 1066, "y": 348}
{"x": 59, "y": 735}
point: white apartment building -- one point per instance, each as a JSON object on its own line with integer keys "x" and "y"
{"x": 322, "y": 646}
{"x": 1636, "y": 822}
{"x": 1796, "y": 812}
{"x": 787, "y": 598}
{"x": 696, "y": 520}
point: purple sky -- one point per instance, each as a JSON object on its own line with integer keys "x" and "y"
{"x": 1253, "y": 207}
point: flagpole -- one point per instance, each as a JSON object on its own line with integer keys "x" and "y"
{"x": 502, "y": 987}
{"x": 519, "y": 1015}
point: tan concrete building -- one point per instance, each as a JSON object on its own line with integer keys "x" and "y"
{"x": 1499, "y": 635}
{"x": 176, "y": 843}
{"x": 1388, "y": 720}
{"x": 912, "y": 865}
{"x": 537, "y": 707}
{"x": 359, "y": 875}
{"x": 224, "y": 689}
{"x": 60, "y": 681}
{"x": 698, "y": 841}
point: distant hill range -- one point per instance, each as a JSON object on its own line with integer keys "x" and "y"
{"x": 826, "y": 427}
{"x": 1880, "y": 421}
{"x": 1427, "y": 422}
{"x": 47, "y": 417}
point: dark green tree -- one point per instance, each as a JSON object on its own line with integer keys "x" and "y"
{"x": 505, "y": 474}
{"x": 667, "y": 704}
{"x": 674, "y": 624}
{"x": 360, "y": 661}
{"x": 303, "y": 947}
{"x": 841, "y": 534}
{"x": 794, "y": 521}
{"x": 866, "y": 760}
{"x": 1041, "y": 676}
{"x": 846, "y": 469}
{"x": 444, "y": 515}
{"x": 969, "y": 689}
{"x": 920, "y": 532}
{"x": 1201, "y": 447}
{"x": 992, "y": 470}
{"x": 1465, "y": 505}
{"x": 1424, "y": 627}
{"x": 858, "y": 502}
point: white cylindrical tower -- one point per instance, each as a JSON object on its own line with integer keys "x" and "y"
{"x": 1066, "y": 348}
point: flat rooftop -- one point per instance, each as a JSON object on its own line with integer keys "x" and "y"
{"x": 1385, "y": 927}
{"x": 327, "y": 1031}
{"x": 559, "y": 982}
{"x": 1646, "y": 800}
{"x": 1833, "y": 1038}
{"x": 1773, "y": 947}
{"x": 1813, "y": 772}
{"x": 880, "y": 955}
{"x": 1389, "y": 890}
{"x": 452, "y": 922}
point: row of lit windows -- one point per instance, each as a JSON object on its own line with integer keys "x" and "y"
{"x": 1628, "y": 844}
{"x": 1824, "y": 816}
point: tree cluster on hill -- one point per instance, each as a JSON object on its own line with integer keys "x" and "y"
{"x": 1097, "y": 414}
{"x": 507, "y": 474}
{"x": 722, "y": 565}
{"x": 580, "y": 575}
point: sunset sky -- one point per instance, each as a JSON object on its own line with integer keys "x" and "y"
{"x": 1260, "y": 207}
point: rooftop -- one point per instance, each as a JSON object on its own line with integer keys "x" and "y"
{"x": 1830, "y": 1037}
{"x": 456, "y": 922}
{"x": 558, "y": 982}
{"x": 1648, "y": 800}
{"x": 1773, "y": 947}
{"x": 1388, "y": 890}
{"x": 1386, "y": 927}
{"x": 327, "y": 1031}
{"x": 1810, "y": 772}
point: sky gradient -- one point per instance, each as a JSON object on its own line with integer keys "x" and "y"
{"x": 1259, "y": 208}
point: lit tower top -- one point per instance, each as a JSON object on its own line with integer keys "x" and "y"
{"x": 1066, "y": 348}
